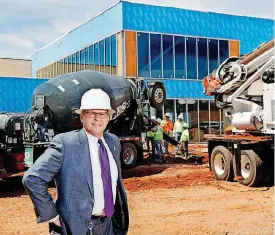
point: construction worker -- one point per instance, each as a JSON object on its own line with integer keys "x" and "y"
{"x": 158, "y": 138}
{"x": 150, "y": 138}
{"x": 184, "y": 140}
{"x": 178, "y": 129}
{"x": 167, "y": 126}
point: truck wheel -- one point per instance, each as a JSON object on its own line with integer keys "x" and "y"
{"x": 222, "y": 163}
{"x": 157, "y": 96}
{"x": 129, "y": 155}
{"x": 251, "y": 168}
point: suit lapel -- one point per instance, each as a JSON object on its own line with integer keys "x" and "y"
{"x": 84, "y": 153}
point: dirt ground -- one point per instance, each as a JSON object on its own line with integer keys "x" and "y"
{"x": 170, "y": 199}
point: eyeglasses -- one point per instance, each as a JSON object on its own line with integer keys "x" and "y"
{"x": 92, "y": 114}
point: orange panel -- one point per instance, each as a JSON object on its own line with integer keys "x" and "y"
{"x": 131, "y": 53}
{"x": 234, "y": 48}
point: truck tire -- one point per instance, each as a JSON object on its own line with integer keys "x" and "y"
{"x": 222, "y": 163}
{"x": 251, "y": 168}
{"x": 157, "y": 96}
{"x": 129, "y": 155}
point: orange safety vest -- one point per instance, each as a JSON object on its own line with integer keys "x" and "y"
{"x": 167, "y": 126}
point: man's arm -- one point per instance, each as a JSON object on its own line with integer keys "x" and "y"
{"x": 36, "y": 180}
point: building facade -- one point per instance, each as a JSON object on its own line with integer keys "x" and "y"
{"x": 177, "y": 46}
{"x": 15, "y": 67}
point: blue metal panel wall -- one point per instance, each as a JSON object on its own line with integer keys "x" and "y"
{"x": 184, "y": 89}
{"x": 98, "y": 28}
{"x": 16, "y": 93}
{"x": 250, "y": 31}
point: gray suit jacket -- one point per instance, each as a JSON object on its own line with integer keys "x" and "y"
{"x": 67, "y": 160}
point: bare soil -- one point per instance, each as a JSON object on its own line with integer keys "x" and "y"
{"x": 168, "y": 199}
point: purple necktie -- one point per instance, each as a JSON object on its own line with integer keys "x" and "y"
{"x": 106, "y": 178}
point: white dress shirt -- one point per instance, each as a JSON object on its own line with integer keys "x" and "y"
{"x": 96, "y": 169}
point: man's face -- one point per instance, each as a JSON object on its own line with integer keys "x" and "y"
{"x": 167, "y": 118}
{"x": 95, "y": 121}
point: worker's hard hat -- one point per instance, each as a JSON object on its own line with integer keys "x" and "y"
{"x": 153, "y": 118}
{"x": 185, "y": 125}
{"x": 180, "y": 116}
{"x": 158, "y": 120}
{"x": 96, "y": 99}
{"x": 167, "y": 115}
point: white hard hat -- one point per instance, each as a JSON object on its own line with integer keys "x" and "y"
{"x": 167, "y": 115}
{"x": 153, "y": 118}
{"x": 158, "y": 120}
{"x": 95, "y": 99}
{"x": 180, "y": 116}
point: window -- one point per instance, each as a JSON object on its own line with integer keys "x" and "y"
{"x": 168, "y": 56}
{"x": 224, "y": 50}
{"x": 102, "y": 56}
{"x": 77, "y": 61}
{"x": 193, "y": 120}
{"x": 179, "y": 57}
{"x": 73, "y": 62}
{"x": 181, "y": 109}
{"x": 156, "y": 59}
{"x": 91, "y": 57}
{"x": 82, "y": 59}
{"x": 213, "y": 54}
{"x": 169, "y": 108}
{"x": 191, "y": 58}
{"x": 204, "y": 119}
{"x": 108, "y": 55}
{"x": 215, "y": 122}
{"x": 70, "y": 64}
{"x": 113, "y": 54}
{"x": 202, "y": 58}
{"x": 66, "y": 65}
{"x": 87, "y": 58}
{"x": 97, "y": 57}
{"x": 143, "y": 55}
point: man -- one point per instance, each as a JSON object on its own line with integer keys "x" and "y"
{"x": 167, "y": 126}
{"x": 178, "y": 129}
{"x": 86, "y": 167}
{"x": 184, "y": 139}
{"x": 158, "y": 138}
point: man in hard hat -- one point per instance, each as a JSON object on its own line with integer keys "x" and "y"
{"x": 178, "y": 129}
{"x": 86, "y": 167}
{"x": 167, "y": 126}
{"x": 184, "y": 139}
{"x": 150, "y": 138}
{"x": 158, "y": 138}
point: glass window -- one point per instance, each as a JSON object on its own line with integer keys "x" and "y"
{"x": 181, "y": 109}
{"x": 191, "y": 58}
{"x": 108, "y": 55}
{"x": 204, "y": 119}
{"x": 70, "y": 67}
{"x": 87, "y": 58}
{"x": 179, "y": 57}
{"x": 73, "y": 62}
{"x": 82, "y": 59}
{"x": 102, "y": 56}
{"x": 77, "y": 63}
{"x": 202, "y": 58}
{"x": 143, "y": 55}
{"x": 156, "y": 59}
{"x": 168, "y": 57}
{"x": 193, "y": 120}
{"x": 66, "y": 65}
{"x": 224, "y": 50}
{"x": 91, "y": 57}
{"x": 97, "y": 57}
{"x": 169, "y": 108}
{"x": 113, "y": 54}
{"x": 213, "y": 54}
{"x": 215, "y": 122}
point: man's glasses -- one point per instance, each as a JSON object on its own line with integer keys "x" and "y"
{"x": 92, "y": 114}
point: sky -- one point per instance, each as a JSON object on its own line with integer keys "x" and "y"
{"x": 28, "y": 25}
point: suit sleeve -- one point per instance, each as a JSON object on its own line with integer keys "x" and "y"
{"x": 36, "y": 180}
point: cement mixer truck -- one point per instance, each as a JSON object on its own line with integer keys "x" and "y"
{"x": 24, "y": 137}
